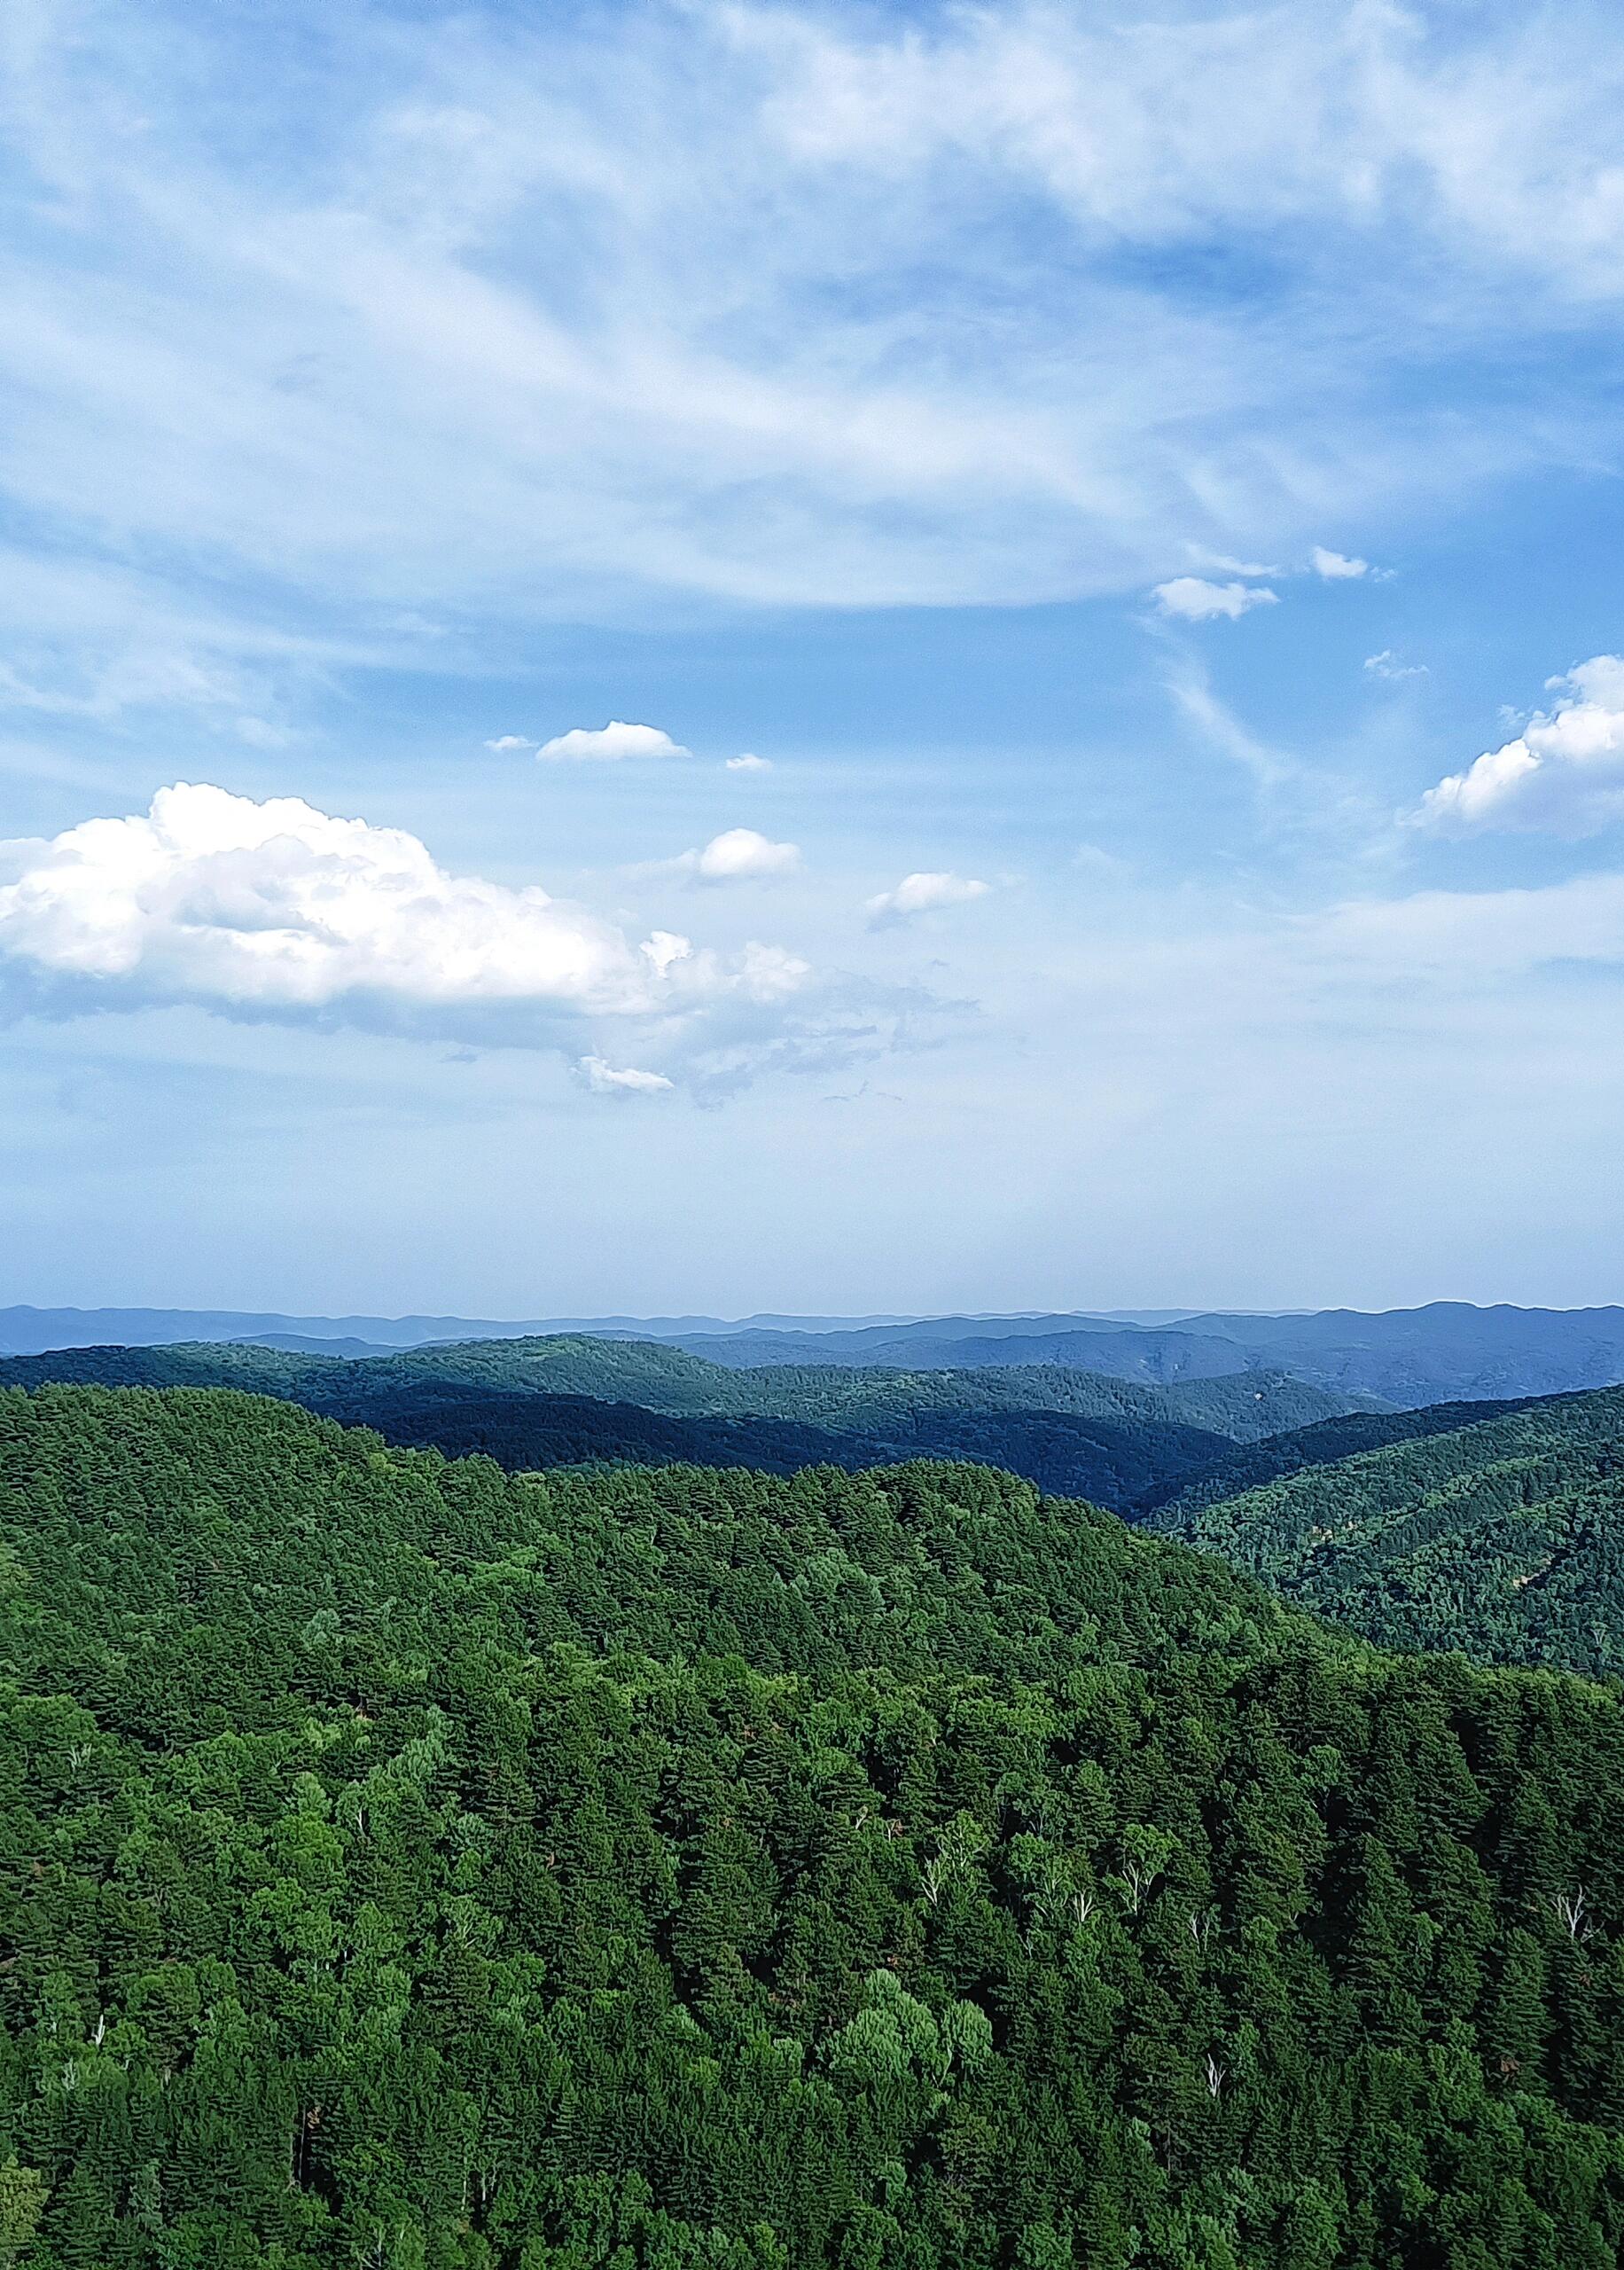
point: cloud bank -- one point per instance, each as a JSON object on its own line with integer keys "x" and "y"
{"x": 280, "y": 909}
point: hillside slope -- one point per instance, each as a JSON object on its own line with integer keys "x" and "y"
{"x": 409, "y": 1865}
{"x": 1113, "y": 1458}
{"x": 1503, "y": 1538}
{"x": 1171, "y": 1505}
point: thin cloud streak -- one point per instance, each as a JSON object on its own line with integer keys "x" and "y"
{"x": 460, "y": 348}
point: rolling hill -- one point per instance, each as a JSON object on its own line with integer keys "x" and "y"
{"x": 1446, "y": 1351}
{"x": 27, "y": 1331}
{"x": 547, "y": 1402}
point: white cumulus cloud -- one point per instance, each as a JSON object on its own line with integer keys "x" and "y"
{"x": 1563, "y": 773}
{"x": 749, "y": 763}
{"x": 1336, "y": 567}
{"x": 739, "y": 854}
{"x": 504, "y": 741}
{"x": 1387, "y": 665}
{"x": 921, "y": 894}
{"x": 1192, "y": 599}
{"x": 282, "y": 910}
{"x": 608, "y": 744}
{"x": 610, "y": 1080}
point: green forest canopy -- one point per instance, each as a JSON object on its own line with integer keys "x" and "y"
{"x": 414, "y": 1865}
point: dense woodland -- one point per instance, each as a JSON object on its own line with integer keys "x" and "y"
{"x": 411, "y": 1863}
{"x": 1504, "y": 1537}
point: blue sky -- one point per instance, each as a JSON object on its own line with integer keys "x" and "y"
{"x": 1143, "y": 485}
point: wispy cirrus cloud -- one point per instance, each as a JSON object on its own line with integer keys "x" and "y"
{"x": 625, "y": 1080}
{"x": 466, "y": 331}
{"x": 1392, "y": 667}
{"x": 1464, "y": 942}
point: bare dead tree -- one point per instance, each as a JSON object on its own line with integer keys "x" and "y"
{"x": 1138, "y": 1882}
{"x": 1573, "y": 1912}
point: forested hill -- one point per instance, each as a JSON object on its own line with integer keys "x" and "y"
{"x": 1172, "y": 1504}
{"x": 542, "y": 1403}
{"x": 412, "y": 1864}
{"x": 1243, "y": 1405}
{"x": 1504, "y": 1537}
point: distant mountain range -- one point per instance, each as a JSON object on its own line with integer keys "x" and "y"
{"x": 1120, "y": 1351}
{"x": 1447, "y": 1351}
{"x": 32, "y": 1331}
